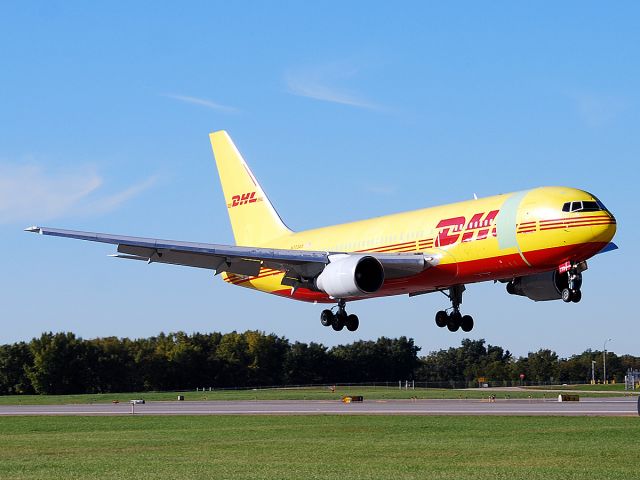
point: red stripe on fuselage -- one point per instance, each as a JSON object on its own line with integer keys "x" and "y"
{"x": 576, "y": 225}
{"x": 379, "y": 249}
{"x": 576, "y": 219}
{"x": 578, "y": 222}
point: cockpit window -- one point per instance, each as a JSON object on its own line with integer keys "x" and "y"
{"x": 602, "y": 207}
{"x": 587, "y": 206}
{"x": 590, "y": 207}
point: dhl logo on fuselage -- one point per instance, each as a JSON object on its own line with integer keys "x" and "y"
{"x": 480, "y": 225}
{"x": 236, "y": 200}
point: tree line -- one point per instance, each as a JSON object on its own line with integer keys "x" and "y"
{"x": 62, "y": 363}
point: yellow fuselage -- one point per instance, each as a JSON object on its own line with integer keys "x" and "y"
{"x": 493, "y": 238}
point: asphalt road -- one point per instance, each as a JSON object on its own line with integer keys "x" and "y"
{"x": 615, "y": 406}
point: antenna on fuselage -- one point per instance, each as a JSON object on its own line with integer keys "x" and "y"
{"x": 475, "y": 197}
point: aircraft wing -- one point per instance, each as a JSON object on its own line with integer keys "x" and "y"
{"x": 240, "y": 260}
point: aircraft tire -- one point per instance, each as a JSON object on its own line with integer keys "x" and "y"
{"x": 352, "y": 323}
{"x": 466, "y": 324}
{"x": 453, "y": 323}
{"x": 566, "y": 295}
{"x": 441, "y": 319}
{"x": 338, "y": 322}
{"x": 326, "y": 318}
{"x": 576, "y": 296}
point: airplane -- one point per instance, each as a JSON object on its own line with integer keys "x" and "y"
{"x": 535, "y": 241}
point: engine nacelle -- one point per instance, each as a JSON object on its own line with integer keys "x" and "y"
{"x": 350, "y": 276}
{"x": 540, "y": 287}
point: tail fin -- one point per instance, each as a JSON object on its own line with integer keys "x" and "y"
{"x": 253, "y": 219}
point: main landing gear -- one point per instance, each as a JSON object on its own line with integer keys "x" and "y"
{"x": 454, "y": 320}
{"x": 340, "y": 319}
{"x": 572, "y": 292}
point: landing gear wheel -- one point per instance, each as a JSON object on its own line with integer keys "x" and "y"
{"x": 466, "y": 324}
{"x": 453, "y": 323}
{"x": 441, "y": 319}
{"x": 338, "y": 322}
{"x": 326, "y": 318}
{"x": 454, "y": 320}
{"x": 352, "y": 323}
{"x": 572, "y": 293}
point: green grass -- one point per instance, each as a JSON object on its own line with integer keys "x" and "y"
{"x": 608, "y": 388}
{"x": 319, "y": 447}
{"x": 370, "y": 393}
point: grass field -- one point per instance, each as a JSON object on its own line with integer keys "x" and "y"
{"x": 610, "y": 387}
{"x": 319, "y": 393}
{"x": 319, "y": 447}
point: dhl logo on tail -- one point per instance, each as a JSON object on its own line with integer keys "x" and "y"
{"x": 236, "y": 200}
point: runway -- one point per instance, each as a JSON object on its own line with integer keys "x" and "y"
{"x": 615, "y": 406}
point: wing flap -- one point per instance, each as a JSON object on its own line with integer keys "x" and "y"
{"x": 174, "y": 257}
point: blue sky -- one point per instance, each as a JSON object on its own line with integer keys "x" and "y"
{"x": 344, "y": 110}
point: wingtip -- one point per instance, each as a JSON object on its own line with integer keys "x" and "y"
{"x": 33, "y": 229}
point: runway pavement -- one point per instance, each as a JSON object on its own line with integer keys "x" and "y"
{"x": 615, "y": 406}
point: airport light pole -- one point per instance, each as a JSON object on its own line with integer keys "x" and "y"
{"x": 604, "y": 361}
{"x": 593, "y": 372}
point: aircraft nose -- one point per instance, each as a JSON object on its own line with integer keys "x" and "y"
{"x": 605, "y": 229}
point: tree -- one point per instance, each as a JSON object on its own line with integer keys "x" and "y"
{"x": 382, "y": 360}
{"x": 627, "y": 362}
{"x": 577, "y": 368}
{"x": 266, "y": 354}
{"x": 60, "y": 364}
{"x": 111, "y": 366}
{"x": 308, "y": 364}
{"x": 467, "y": 363}
{"x": 541, "y": 366}
{"x": 63, "y": 363}
{"x": 233, "y": 356}
{"x": 14, "y": 361}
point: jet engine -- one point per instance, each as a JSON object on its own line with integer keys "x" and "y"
{"x": 350, "y": 276}
{"x": 540, "y": 287}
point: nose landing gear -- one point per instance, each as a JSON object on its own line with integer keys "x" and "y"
{"x": 572, "y": 293}
{"x": 340, "y": 319}
{"x": 454, "y": 320}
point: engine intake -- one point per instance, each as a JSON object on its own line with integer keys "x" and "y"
{"x": 540, "y": 287}
{"x": 351, "y": 276}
